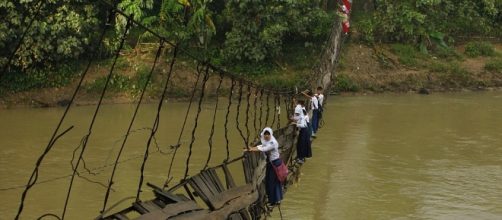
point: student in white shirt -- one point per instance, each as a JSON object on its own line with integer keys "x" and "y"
{"x": 320, "y": 98}
{"x": 314, "y": 105}
{"x": 270, "y": 146}
{"x": 303, "y": 145}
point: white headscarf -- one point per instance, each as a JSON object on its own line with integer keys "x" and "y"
{"x": 262, "y": 136}
{"x": 271, "y": 146}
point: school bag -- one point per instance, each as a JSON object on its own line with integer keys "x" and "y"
{"x": 281, "y": 172}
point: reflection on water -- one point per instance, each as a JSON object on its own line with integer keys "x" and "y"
{"x": 379, "y": 157}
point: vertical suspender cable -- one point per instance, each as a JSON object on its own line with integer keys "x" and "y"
{"x": 86, "y": 138}
{"x": 196, "y": 121}
{"x": 131, "y": 123}
{"x": 227, "y": 116}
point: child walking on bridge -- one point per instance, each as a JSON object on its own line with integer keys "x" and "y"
{"x": 270, "y": 146}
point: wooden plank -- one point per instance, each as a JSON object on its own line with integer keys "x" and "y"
{"x": 229, "y": 180}
{"x": 235, "y": 216}
{"x": 247, "y": 170}
{"x": 167, "y": 197}
{"x": 146, "y": 207}
{"x": 245, "y": 214}
{"x": 239, "y": 203}
{"x": 171, "y": 210}
{"x": 176, "y": 209}
{"x": 190, "y": 194}
{"x": 208, "y": 183}
{"x": 218, "y": 201}
{"x": 120, "y": 217}
{"x": 199, "y": 188}
{"x": 197, "y": 215}
{"x": 216, "y": 179}
{"x": 259, "y": 173}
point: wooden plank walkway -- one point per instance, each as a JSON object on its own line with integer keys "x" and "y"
{"x": 222, "y": 198}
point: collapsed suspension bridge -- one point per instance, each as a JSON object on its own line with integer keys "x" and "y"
{"x": 212, "y": 193}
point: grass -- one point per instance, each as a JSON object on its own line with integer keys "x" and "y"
{"x": 452, "y": 74}
{"x": 344, "y": 83}
{"x": 494, "y": 65}
{"x": 479, "y": 48}
{"x": 447, "y": 53}
{"x": 122, "y": 83}
{"x": 407, "y": 55}
{"x": 282, "y": 80}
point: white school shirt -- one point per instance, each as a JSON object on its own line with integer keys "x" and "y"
{"x": 272, "y": 147}
{"x": 301, "y": 121}
{"x": 314, "y": 103}
{"x": 299, "y": 109}
{"x": 300, "y": 117}
{"x": 307, "y": 119}
{"x": 320, "y": 99}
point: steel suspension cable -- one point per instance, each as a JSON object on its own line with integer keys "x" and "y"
{"x": 255, "y": 116}
{"x": 261, "y": 109}
{"x": 278, "y": 109}
{"x": 131, "y": 123}
{"x": 156, "y": 121}
{"x": 210, "y": 140}
{"x": 196, "y": 121}
{"x": 84, "y": 146}
{"x": 237, "y": 124}
{"x": 268, "y": 110}
{"x": 34, "y": 176}
{"x": 275, "y": 112}
{"x": 232, "y": 86}
{"x": 178, "y": 143}
{"x": 248, "y": 106}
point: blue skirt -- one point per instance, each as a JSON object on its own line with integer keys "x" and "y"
{"x": 303, "y": 145}
{"x": 273, "y": 186}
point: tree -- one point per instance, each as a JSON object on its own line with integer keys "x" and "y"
{"x": 60, "y": 32}
{"x": 419, "y": 21}
{"x": 258, "y": 31}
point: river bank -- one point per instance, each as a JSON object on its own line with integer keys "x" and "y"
{"x": 363, "y": 69}
{"x": 401, "y": 68}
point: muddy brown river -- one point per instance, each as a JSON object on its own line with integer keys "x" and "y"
{"x": 376, "y": 157}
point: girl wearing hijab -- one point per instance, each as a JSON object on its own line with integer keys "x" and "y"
{"x": 303, "y": 146}
{"x": 270, "y": 146}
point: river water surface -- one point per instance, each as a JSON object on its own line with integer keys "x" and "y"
{"x": 377, "y": 157}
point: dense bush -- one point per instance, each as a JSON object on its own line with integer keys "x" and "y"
{"x": 407, "y": 54}
{"x": 257, "y": 32}
{"x": 494, "y": 65}
{"x": 39, "y": 78}
{"x": 60, "y": 32}
{"x": 425, "y": 21}
{"x": 475, "y": 49}
{"x": 344, "y": 83}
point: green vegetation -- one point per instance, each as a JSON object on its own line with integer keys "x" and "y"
{"x": 407, "y": 54}
{"x": 60, "y": 33}
{"x": 494, "y": 65}
{"x": 275, "y": 42}
{"x": 39, "y": 78}
{"x": 121, "y": 83}
{"x": 447, "y": 53}
{"x": 245, "y": 37}
{"x": 344, "y": 83}
{"x": 427, "y": 23}
{"x": 479, "y": 48}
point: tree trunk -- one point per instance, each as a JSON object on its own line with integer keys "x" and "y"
{"x": 326, "y": 71}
